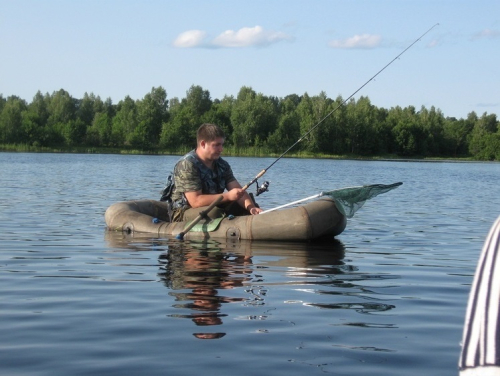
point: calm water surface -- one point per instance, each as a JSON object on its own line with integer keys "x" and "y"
{"x": 387, "y": 297}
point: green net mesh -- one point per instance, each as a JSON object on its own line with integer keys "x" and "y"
{"x": 350, "y": 200}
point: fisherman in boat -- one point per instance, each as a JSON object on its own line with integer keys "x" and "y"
{"x": 201, "y": 176}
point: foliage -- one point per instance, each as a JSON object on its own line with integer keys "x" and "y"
{"x": 255, "y": 124}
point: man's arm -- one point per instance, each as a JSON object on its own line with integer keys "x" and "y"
{"x": 197, "y": 199}
{"x": 245, "y": 200}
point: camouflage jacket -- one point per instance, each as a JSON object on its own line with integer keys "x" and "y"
{"x": 190, "y": 175}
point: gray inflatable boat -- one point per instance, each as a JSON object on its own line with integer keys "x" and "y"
{"x": 314, "y": 220}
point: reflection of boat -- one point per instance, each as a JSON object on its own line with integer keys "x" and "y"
{"x": 204, "y": 276}
{"x": 314, "y": 220}
{"x": 284, "y": 254}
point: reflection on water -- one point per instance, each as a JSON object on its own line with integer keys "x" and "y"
{"x": 203, "y": 269}
{"x": 200, "y": 275}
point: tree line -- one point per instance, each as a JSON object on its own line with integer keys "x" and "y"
{"x": 250, "y": 120}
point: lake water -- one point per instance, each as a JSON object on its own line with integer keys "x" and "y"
{"x": 387, "y": 297}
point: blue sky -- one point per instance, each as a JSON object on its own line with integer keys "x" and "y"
{"x": 118, "y": 48}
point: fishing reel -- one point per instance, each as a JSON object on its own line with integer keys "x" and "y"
{"x": 263, "y": 188}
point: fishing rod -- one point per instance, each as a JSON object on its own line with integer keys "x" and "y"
{"x": 261, "y": 173}
{"x": 203, "y": 213}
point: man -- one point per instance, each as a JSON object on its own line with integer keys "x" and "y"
{"x": 201, "y": 176}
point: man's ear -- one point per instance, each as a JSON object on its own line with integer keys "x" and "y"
{"x": 203, "y": 144}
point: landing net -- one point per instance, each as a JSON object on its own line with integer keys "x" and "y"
{"x": 350, "y": 200}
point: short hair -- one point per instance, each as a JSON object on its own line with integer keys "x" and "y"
{"x": 209, "y": 132}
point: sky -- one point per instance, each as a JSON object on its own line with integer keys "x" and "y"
{"x": 115, "y": 48}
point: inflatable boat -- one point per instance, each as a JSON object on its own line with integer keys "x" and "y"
{"x": 314, "y": 220}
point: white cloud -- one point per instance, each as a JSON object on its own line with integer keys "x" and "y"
{"x": 357, "y": 41}
{"x": 244, "y": 37}
{"x": 190, "y": 38}
{"x": 249, "y": 36}
{"x": 487, "y": 34}
{"x": 433, "y": 43}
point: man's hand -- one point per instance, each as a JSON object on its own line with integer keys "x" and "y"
{"x": 243, "y": 197}
{"x": 235, "y": 194}
{"x": 255, "y": 210}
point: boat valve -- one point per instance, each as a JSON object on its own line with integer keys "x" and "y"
{"x": 263, "y": 188}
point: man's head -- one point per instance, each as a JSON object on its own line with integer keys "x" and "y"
{"x": 209, "y": 140}
{"x": 209, "y": 132}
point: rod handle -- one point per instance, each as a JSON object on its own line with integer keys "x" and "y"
{"x": 245, "y": 187}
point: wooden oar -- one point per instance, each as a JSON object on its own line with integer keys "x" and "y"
{"x": 202, "y": 214}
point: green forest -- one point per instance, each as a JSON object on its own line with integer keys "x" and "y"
{"x": 255, "y": 124}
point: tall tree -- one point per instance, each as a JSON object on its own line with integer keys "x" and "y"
{"x": 406, "y": 130}
{"x": 185, "y": 117}
{"x": 62, "y": 116}
{"x": 286, "y": 134}
{"x": 220, "y": 114}
{"x": 152, "y": 111}
{"x": 180, "y": 130}
{"x": 11, "y": 121}
{"x": 311, "y": 111}
{"x": 62, "y": 108}
{"x": 455, "y": 133}
{"x": 85, "y": 109}
{"x": 323, "y": 135}
{"x": 124, "y": 122}
{"x": 307, "y": 120}
{"x": 254, "y": 118}
{"x": 432, "y": 122}
{"x": 384, "y": 141}
{"x": 483, "y": 138}
{"x": 361, "y": 118}
{"x": 35, "y": 121}
{"x": 198, "y": 100}
{"x": 100, "y": 132}
{"x": 2, "y": 102}
{"x": 288, "y": 130}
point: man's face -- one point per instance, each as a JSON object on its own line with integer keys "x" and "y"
{"x": 211, "y": 150}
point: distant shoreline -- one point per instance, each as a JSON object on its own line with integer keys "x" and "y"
{"x": 254, "y": 153}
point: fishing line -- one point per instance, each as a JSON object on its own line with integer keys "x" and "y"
{"x": 264, "y": 187}
{"x": 336, "y": 108}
